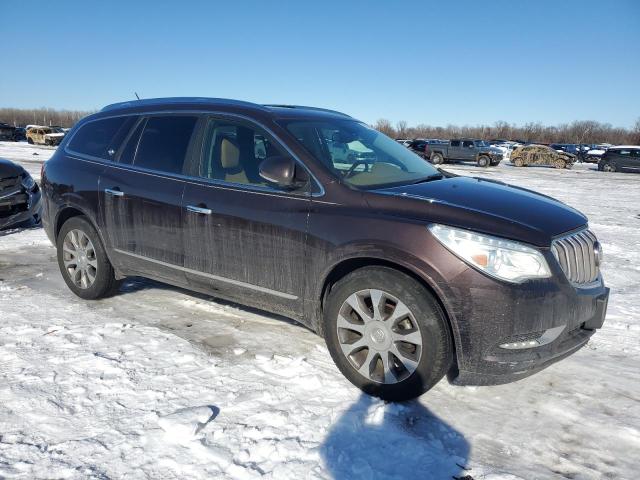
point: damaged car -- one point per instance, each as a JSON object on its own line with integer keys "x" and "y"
{"x": 20, "y": 197}
{"x": 45, "y": 136}
{"x": 541, "y": 155}
{"x": 410, "y": 273}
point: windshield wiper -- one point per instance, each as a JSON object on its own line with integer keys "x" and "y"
{"x": 434, "y": 176}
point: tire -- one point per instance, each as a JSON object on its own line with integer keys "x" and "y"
{"x": 518, "y": 162}
{"x": 437, "y": 158}
{"x": 609, "y": 167}
{"x": 411, "y": 373}
{"x": 483, "y": 161}
{"x": 104, "y": 283}
{"x": 559, "y": 164}
{"x": 30, "y": 141}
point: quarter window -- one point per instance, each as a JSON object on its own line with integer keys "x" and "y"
{"x": 97, "y": 138}
{"x": 164, "y": 142}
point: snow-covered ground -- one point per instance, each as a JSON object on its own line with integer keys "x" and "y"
{"x": 158, "y": 382}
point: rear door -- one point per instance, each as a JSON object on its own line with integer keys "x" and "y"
{"x": 142, "y": 197}
{"x": 634, "y": 161}
{"x": 244, "y": 237}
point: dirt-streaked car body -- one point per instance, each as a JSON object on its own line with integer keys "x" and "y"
{"x": 541, "y": 155}
{"x": 44, "y": 136}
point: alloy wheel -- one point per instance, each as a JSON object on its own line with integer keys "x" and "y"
{"x": 79, "y": 257}
{"x": 379, "y": 336}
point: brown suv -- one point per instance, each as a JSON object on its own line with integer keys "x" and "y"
{"x": 408, "y": 272}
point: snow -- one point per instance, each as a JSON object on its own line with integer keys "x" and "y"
{"x": 158, "y": 382}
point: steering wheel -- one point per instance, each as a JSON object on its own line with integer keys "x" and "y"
{"x": 357, "y": 163}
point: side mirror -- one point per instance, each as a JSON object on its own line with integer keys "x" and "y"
{"x": 281, "y": 171}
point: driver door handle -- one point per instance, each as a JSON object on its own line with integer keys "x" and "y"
{"x": 115, "y": 193}
{"x": 200, "y": 210}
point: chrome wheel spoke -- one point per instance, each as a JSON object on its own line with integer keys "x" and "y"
{"x": 366, "y": 367}
{"x": 378, "y": 301}
{"x": 389, "y": 376}
{"x": 350, "y": 348}
{"x": 408, "y": 363}
{"x": 354, "y": 302}
{"x": 413, "y": 337}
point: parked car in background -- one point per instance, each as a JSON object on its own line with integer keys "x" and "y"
{"x": 505, "y": 146}
{"x": 594, "y": 153}
{"x": 541, "y": 155}
{"x": 622, "y": 158}
{"x": 408, "y": 272}
{"x": 44, "y": 136}
{"x": 571, "y": 148}
{"x": 421, "y": 146}
{"x": 465, "y": 149}
{"x": 404, "y": 141}
{"x": 20, "y": 134}
{"x": 20, "y": 197}
{"x": 7, "y": 132}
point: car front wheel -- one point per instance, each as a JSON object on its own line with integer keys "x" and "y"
{"x": 83, "y": 261}
{"x": 387, "y": 333}
{"x": 483, "y": 161}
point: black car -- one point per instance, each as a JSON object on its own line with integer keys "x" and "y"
{"x": 408, "y": 272}
{"x": 20, "y": 134}
{"x": 623, "y": 158}
{"x": 20, "y": 197}
{"x": 571, "y": 148}
{"x": 6, "y": 131}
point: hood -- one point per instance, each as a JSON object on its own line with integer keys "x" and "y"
{"x": 9, "y": 169}
{"x": 485, "y": 206}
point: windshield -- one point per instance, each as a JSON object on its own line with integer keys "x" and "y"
{"x": 358, "y": 154}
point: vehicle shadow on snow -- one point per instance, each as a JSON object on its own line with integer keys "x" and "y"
{"x": 377, "y": 440}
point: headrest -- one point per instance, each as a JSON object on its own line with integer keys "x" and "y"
{"x": 229, "y": 154}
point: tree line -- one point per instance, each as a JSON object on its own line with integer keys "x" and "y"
{"x": 583, "y": 131}
{"x": 19, "y": 117}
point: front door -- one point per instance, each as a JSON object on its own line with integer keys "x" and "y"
{"x": 244, "y": 238}
{"x": 142, "y": 198}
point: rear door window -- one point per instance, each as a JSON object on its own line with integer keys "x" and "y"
{"x": 455, "y": 143}
{"x": 97, "y": 138}
{"x": 164, "y": 142}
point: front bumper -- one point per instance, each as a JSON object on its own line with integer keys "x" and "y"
{"x": 20, "y": 208}
{"x": 489, "y": 313}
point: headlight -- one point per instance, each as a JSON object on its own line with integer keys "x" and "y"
{"x": 28, "y": 182}
{"x": 497, "y": 257}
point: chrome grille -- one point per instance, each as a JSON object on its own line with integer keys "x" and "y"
{"x": 576, "y": 254}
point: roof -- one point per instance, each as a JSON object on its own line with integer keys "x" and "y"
{"x": 624, "y": 146}
{"x": 205, "y": 103}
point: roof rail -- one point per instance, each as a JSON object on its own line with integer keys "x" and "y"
{"x": 177, "y": 100}
{"x": 317, "y": 109}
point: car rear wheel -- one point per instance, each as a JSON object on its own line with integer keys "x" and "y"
{"x": 609, "y": 167}
{"x": 518, "y": 162}
{"x": 483, "y": 161}
{"x": 30, "y": 140}
{"x": 387, "y": 334}
{"x": 437, "y": 159}
{"x": 83, "y": 261}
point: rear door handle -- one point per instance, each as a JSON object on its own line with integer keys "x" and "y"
{"x": 203, "y": 211}
{"x": 115, "y": 193}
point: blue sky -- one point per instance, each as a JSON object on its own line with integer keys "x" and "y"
{"x": 458, "y": 62}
